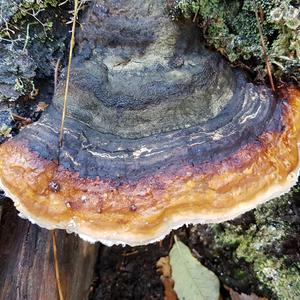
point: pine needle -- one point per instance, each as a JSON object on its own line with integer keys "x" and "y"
{"x": 56, "y": 267}
{"x": 264, "y": 48}
{"x": 72, "y": 44}
{"x": 61, "y": 133}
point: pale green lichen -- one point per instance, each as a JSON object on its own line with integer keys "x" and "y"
{"x": 5, "y": 131}
{"x": 24, "y": 86}
{"x": 19, "y": 11}
{"x": 285, "y": 50}
{"x": 231, "y": 28}
{"x": 261, "y": 247}
{"x": 28, "y": 34}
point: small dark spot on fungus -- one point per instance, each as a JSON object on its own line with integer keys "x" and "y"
{"x": 54, "y": 186}
{"x": 132, "y": 207}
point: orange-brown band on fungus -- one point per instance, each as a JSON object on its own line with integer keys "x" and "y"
{"x": 151, "y": 207}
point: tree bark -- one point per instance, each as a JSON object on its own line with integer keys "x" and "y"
{"x": 27, "y": 263}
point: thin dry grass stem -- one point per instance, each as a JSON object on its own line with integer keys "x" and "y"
{"x": 56, "y": 267}
{"x": 130, "y": 253}
{"x": 61, "y": 133}
{"x": 72, "y": 43}
{"x": 63, "y": 3}
{"x": 264, "y": 48}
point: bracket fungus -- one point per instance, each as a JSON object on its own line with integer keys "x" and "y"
{"x": 160, "y": 132}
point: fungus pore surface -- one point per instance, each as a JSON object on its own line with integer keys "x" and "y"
{"x": 160, "y": 132}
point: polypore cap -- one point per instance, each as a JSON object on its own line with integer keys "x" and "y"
{"x": 160, "y": 132}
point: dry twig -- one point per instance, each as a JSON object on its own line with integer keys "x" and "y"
{"x": 72, "y": 44}
{"x": 264, "y": 48}
{"x": 56, "y": 266}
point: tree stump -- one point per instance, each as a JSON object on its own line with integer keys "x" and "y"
{"x": 27, "y": 262}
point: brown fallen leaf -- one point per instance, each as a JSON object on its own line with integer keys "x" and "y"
{"x": 236, "y": 296}
{"x": 41, "y": 106}
{"x": 169, "y": 292}
{"x": 164, "y": 268}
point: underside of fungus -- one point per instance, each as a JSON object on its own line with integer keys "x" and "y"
{"x": 160, "y": 132}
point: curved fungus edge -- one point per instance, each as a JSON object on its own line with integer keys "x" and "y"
{"x": 49, "y": 195}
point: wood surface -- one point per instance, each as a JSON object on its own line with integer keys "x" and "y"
{"x": 27, "y": 263}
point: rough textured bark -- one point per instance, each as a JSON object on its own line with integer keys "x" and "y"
{"x": 258, "y": 252}
{"x": 27, "y": 262}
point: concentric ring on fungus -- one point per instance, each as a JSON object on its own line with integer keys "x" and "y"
{"x": 160, "y": 132}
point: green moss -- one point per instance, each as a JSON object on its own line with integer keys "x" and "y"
{"x": 240, "y": 274}
{"x": 284, "y": 282}
{"x": 32, "y": 7}
{"x": 37, "y": 31}
{"x": 231, "y": 28}
{"x": 21, "y": 11}
{"x": 25, "y": 87}
{"x": 261, "y": 247}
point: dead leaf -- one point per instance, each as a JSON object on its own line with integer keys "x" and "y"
{"x": 164, "y": 268}
{"x": 169, "y": 292}
{"x": 41, "y": 106}
{"x": 236, "y": 296}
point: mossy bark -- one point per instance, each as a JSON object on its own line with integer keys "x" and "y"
{"x": 231, "y": 28}
{"x": 33, "y": 36}
{"x": 258, "y": 252}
